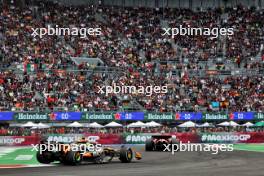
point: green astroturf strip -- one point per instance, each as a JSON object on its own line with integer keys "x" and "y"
{"x": 23, "y": 155}
{"x": 250, "y": 147}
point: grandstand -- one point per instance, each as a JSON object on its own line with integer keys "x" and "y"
{"x": 62, "y": 73}
{"x": 125, "y": 72}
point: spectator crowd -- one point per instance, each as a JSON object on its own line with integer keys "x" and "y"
{"x": 38, "y": 74}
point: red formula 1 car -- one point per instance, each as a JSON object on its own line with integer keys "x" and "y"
{"x": 159, "y": 142}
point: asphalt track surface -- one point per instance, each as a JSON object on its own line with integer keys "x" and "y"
{"x": 236, "y": 163}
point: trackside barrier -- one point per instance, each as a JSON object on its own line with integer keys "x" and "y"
{"x": 138, "y": 138}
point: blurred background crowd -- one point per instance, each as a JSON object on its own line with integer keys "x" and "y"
{"x": 40, "y": 74}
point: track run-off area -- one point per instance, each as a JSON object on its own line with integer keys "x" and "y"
{"x": 246, "y": 159}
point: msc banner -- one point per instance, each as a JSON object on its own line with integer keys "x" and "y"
{"x": 129, "y": 116}
{"x": 6, "y": 115}
{"x": 242, "y": 116}
{"x": 66, "y": 116}
{"x": 188, "y": 116}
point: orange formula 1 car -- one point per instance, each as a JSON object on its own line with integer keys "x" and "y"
{"x": 80, "y": 152}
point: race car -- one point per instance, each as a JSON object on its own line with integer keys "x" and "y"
{"x": 65, "y": 154}
{"x": 159, "y": 142}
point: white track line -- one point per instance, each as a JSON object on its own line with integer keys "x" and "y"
{"x": 5, "y": 151}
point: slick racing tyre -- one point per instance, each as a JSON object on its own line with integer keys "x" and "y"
{"x": 73, "y": 158}
{"x": 44, "y": 157}
{"x": 126, "y": 155}
{"x": 149, "y": 146}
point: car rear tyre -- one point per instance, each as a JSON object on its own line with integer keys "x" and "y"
{"x": 44, "y": 157}
{"x": 73, "y": 158}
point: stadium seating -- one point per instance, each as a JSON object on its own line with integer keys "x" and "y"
{"x": 38, "y": 74}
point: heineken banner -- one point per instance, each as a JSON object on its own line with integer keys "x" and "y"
{"x": 133, "y": 116}
{"x": 259, "y": 116}
{"x": 35, "y": 116}
{"x": 215, "y": 116}
{"x": 98, "y": 116}
{"x": 159, "y": 116}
